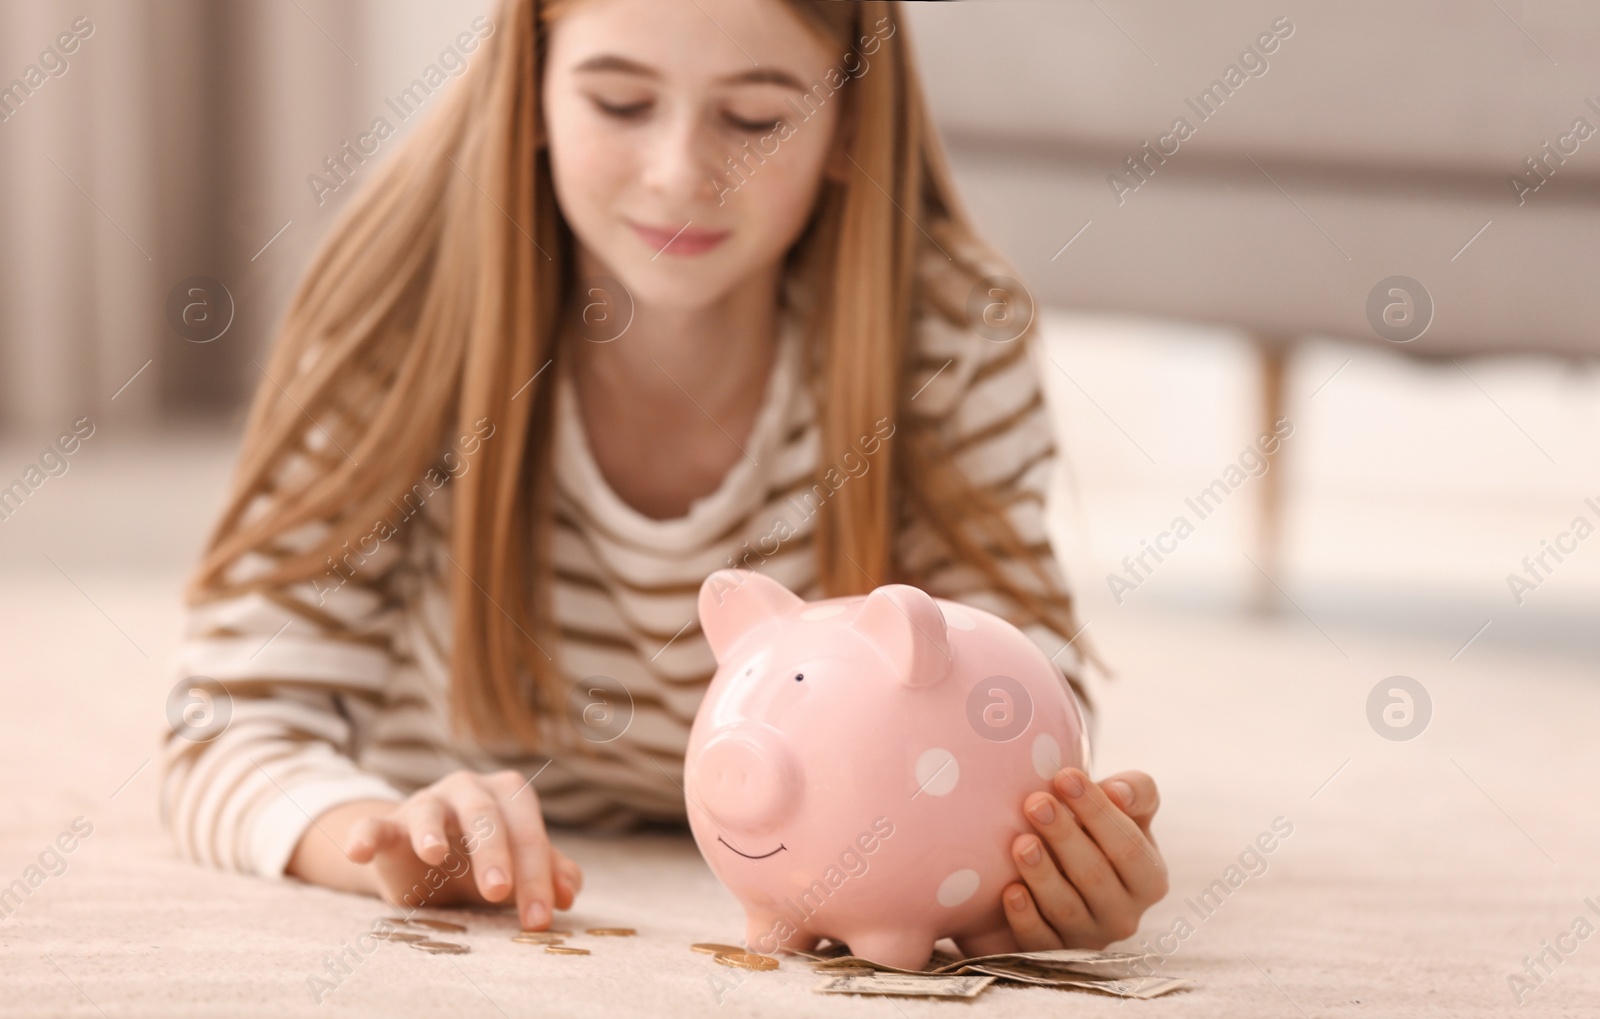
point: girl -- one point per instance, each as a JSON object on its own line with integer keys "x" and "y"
{"x": 662, "y": 286}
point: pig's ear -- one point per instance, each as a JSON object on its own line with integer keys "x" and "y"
{"x": 733, "y": 602}
{"x": 905, "y": 625}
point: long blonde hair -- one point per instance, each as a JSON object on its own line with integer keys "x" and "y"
{"x": 437, "y": 294}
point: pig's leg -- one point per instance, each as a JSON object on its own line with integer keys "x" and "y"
{"x": 802, "y": 942}
{"x": 903, "y": 949}
{"x": 763, "y": 934}
{"x": 995, "y": 942}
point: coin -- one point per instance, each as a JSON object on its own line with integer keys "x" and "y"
{"x": 712, "y": 948}
{"x": 746, "y": 960}
{"x": 441, "y": 947}
{"x": 565, "y": 950}
{"x": 439, "y": 925}
{"x": 553, "y": 932}
{"x": 405, "y": 936}
{"x": 615, "y": 932}
{"x": 538, "y": 937}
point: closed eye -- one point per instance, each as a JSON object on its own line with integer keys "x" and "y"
{"x": 630, "y": 112}
{"x": 754, "y": 127}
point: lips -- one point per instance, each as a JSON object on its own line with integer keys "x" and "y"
{"x": 678, "y": 240}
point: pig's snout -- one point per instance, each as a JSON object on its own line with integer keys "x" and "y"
{"x": 747, "y": 778}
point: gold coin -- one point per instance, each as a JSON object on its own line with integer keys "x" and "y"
{"x": 537, "y": 937}
{"x": 565, "y": 950}
{"x": 405, "y": 936}
{"x": 746, "y": 960}
{"x": 614, "y": 932}
{"x": 440, "y": 947}
{"x": 712, "y": 948}
{"x": 439, "y": 925}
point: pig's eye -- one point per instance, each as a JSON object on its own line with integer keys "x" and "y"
{"x": 799, "y": 676}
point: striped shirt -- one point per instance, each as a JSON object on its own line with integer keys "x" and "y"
{"x": 342, "y": 695}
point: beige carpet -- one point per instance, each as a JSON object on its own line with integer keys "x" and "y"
{"x": 1418, "y": 876}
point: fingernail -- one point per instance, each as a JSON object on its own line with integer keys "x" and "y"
{"x": 1016, "y": 900}
{"x": 1070, "y": 783}
{"x": 1124, "y": 792}
{"x": 495, "y": 877}
{"x": 538, "y": 913}
{"x": 1043, "y": 812}
{"x": 429, "y": 841}
{"x": 1030, "y": 851}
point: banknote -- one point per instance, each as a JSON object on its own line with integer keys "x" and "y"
{"x": 1123, "y": 987}
{"x": 920, "y": 985}
{"x": 1071, "y": 960}
{"x": 1125, "y": 974}
{"x": 1064, "y": 960}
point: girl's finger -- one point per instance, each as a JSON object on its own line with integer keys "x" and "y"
{"x": 1137, "y": 862}
{"x": 370, "y": 836}
{"x": 568, "y": 881}
{"x": 476, "y": 811}
{"x": 1029, "y": 928}
{"x": 1136, "y": 794}
{"x": 1057, "y": 900}
{"x": 1080, "y": 858}
{"x": 530, "y": 848}
{"x": 425, "y": 818}
{"x": 562, "y": 863}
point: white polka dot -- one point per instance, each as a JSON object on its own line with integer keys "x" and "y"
{"x": 937, "y": 771}
{"x": 958, "y": 617}
{"x": 958, "y": 888}
{"x": 1046, "y": 755}
{"x": 821, "y": 611}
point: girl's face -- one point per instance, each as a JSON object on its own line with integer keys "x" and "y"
{"x": 646, "y": 102}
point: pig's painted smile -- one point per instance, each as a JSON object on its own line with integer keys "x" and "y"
{"x": 747, "y": 856}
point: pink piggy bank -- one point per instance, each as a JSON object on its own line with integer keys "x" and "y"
{"x": 858, "y": 765}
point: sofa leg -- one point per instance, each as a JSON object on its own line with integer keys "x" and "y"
{"x": 1268, "y": 553}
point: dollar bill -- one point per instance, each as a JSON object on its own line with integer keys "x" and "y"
{"x": 1059, "y": 960}
{"x": 1070, "y": 960}
{"x": 921, "y": 985}
{"x": 1124, "y": 987}
{"x": 1125, "y": 974}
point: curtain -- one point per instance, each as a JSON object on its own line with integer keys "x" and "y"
{"x": 147, "y": 143}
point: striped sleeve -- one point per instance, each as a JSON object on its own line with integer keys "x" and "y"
{"x": 996, "y": 425}
{"x": 279, "y": 671}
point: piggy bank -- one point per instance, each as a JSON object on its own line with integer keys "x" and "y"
{"x": 858, "y": 765}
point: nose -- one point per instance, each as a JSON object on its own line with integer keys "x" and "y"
{"x": 681, "y": 165}
{"x": 746, "y": 778}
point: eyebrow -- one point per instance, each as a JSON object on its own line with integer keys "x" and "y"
{"x": 759, "y": 75}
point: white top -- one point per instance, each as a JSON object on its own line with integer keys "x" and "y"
{"x": 742, "y": 488}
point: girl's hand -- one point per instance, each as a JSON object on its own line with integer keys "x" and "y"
{"x": 1092, "y": 869}
{"x": 478, "y": 838}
